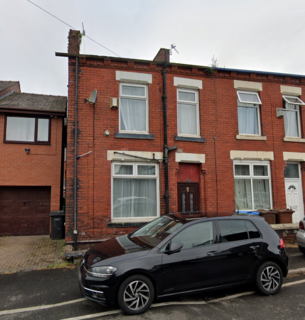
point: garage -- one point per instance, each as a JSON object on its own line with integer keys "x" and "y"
{"x": 24, "y": 211}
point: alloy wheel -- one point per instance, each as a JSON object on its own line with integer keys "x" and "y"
{"x": 270, "y": 278}
{"x": 136, "y": 295}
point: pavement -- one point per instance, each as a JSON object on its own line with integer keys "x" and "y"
{"x": 26, "y": 253}
{"x": 53, "y": 294}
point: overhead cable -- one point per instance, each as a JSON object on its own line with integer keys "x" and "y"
{"x": 71, "y": 27}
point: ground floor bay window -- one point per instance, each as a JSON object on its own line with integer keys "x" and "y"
{"x": 135, "y": 191}
{"x": 252, "y": 185}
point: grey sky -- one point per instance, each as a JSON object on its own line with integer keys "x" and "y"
{"x": 265, "y": 35}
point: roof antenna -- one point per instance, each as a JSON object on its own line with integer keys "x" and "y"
{"x": 173, "y": 46}
{"x": 84, "y": 34}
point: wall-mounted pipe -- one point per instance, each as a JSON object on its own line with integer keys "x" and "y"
{"x": 165, "y": 157}
{"x": 75, "y": 157}
{"x": 166, "y": 148}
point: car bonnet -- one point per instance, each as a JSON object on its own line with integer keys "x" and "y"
{"x": 112, "y": 248}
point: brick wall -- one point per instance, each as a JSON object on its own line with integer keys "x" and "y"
{"x": 160, "y": 56}
{"x": 218, "y": 125}
{"x": 41, "y": 167}
{"x": 74, "y": 41}
{"x": 288, "y": 235}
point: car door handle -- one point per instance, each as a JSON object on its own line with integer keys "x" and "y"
{"x": 212, "y": 253}
{"x": 255, "y": 249}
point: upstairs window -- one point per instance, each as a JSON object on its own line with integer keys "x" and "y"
{"x": 27, "y": 129}
{"x": 248, "y": 112}
{"x": 188, "y": 113}
{"x": 133, "y": 108}
{"x": 292, "y": 116}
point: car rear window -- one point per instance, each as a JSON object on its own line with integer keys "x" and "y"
{"x": 236, "y": 230}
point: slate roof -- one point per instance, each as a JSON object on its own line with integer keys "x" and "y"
{"x": 34, "y": 102}
{"x": 6, "y": 84}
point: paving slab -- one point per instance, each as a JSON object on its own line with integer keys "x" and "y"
{"x": 24, "y": 253}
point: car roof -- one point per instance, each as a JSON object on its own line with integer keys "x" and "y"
{"x": 189, "y": 217}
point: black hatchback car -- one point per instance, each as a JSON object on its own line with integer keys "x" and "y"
{"x": 177, "y": 254}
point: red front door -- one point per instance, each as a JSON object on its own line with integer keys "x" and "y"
{"x": 188, "y": 196}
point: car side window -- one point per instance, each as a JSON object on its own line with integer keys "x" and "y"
{"x": 200, "y": 234}
{"x": 253, "y": 232}
{"x": 232, "y": 230}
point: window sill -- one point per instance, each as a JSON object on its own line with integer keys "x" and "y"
{"x": 27, "y": 142}
{"x": 250, "y": 137}
{"x": 124, "y": 220}
{"x": 133, "y": 136}
{"x": 290, "y": 139}
{"x": 191, "y": 139}
{"x": 126, "y": 224}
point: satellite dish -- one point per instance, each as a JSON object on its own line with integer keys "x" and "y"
{"x": 92, "y": 98}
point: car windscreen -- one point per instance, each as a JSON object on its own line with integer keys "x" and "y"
{"x": 154, "y": 232}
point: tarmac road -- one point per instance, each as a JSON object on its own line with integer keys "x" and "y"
{"x": 54, "y": 294}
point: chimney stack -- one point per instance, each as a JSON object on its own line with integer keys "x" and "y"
{"x": 74, "y": 41}
{"x": 160, "y": 57}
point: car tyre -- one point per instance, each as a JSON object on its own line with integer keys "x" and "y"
{"x": 136, "y": 294}
{"x": 269, "y": 278}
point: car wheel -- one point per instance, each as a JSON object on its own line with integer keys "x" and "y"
{"x": 269, "y": 278}
{"x": 302, "y": 249}
{"x": 136, "y": 294}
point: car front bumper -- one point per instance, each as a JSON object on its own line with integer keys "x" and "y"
{"x": 95, "y": 289}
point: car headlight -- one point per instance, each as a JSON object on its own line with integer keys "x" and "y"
{"x": 101, "y": 272}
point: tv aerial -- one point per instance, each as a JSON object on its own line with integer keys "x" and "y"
{"x": 92, "y": 98}
{"x": 173, "y": 46}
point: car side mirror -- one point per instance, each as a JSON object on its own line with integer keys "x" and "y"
{"x": 174, "y": 247}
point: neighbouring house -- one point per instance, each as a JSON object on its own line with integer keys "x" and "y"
{"x": 165, "y": 137}
{"x": 31, "y": 159}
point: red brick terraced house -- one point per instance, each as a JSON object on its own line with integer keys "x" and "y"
{"x": 31, "y": 158}
{"x": 165, "y": 137}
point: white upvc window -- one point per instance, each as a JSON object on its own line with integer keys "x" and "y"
{"x": 292, "y": 116}
{"x": 252, "y": 184}
{"x": 135, "y": 191}
{"x": 293, "y": 100}
{"x": 133, "y": 116}
{"x": 27, "y": 129}
{"x": 188, "y": 113}
{"x": 248, "y": 113}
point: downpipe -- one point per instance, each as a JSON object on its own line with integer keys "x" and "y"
{"x": 75, "y": 157}
{"x": 166, "y": 148}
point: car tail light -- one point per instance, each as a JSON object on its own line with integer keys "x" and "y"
{"x": 301, "y": 225}
{"x": 282, "y": 244}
